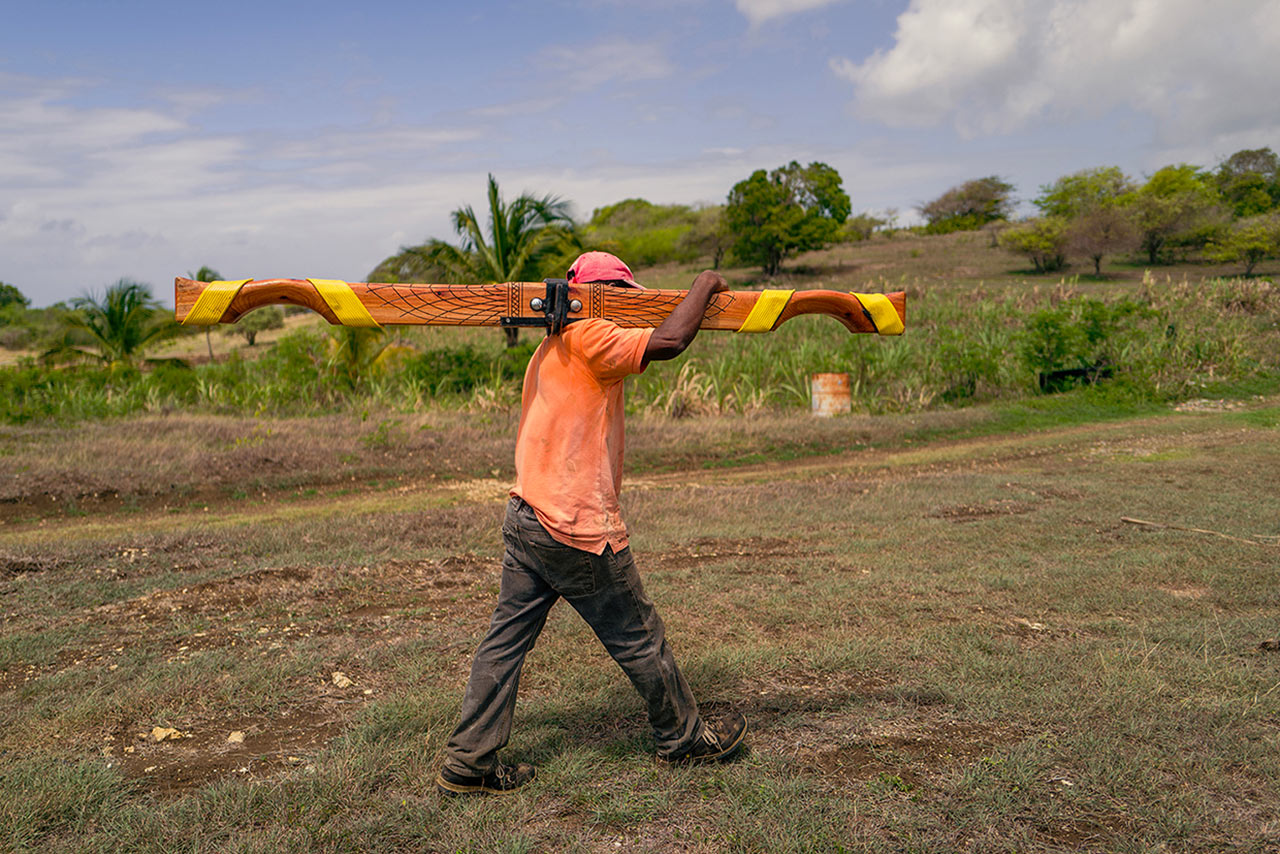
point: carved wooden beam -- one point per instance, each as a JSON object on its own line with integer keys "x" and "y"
{"x": 526, "y": 304}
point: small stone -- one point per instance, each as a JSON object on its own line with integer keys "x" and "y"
{"x": 236, "y": 737}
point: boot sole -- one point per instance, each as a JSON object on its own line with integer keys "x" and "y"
{"x": 447, "y": 788}
{"x": 724, "y": 754}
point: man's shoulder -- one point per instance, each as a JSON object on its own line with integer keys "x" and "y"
{"x": 606, "y": 349}
{"x": 591, "y": 324}
{"x": 589, "y": 332}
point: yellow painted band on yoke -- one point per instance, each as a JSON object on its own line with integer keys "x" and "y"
{"x": 882, "y": 312}
{"x": 212, "y": 303}
{"x": 764, "y": 314}
{"x": 344, "y": 302}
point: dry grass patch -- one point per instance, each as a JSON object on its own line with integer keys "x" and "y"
{"x": 958, "y": 646}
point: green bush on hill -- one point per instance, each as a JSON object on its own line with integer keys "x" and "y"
{"x": 643, "y": 234}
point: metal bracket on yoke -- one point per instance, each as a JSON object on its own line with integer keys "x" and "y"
{"x": 555, "y": 308}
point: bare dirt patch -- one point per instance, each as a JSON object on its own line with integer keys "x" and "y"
{"x": 205, "y": 752}
{"x": 270, "y": 608}
{"x": 1077, "y": 834}
{"x": 711, "y": 549}
{"x": 906, "y": 756}
{"x": 974, "y": 512}
{"x": 1190, "y": 591}
{"x": 11, "y": 564}
{"x": 824, "y": 724}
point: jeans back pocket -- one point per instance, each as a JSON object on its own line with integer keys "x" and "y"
{"x": 569, "y": 571}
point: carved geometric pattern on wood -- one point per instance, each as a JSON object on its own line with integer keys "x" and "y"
{"x": 650, "y": 308}
{"x": 477, "y": 305}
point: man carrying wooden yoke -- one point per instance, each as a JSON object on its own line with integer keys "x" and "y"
{"x": 565, "y": 537}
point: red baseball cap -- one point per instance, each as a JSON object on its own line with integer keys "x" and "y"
{"x": 601, "y": 267}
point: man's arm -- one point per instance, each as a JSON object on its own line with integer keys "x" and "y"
{"x": 681, "y": 326}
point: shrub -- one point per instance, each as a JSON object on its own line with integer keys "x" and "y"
{"x": 1042, "y": 240}
{"x": 15, "y": 337}
{"x": 444, "y": 371}
{"x": 1080, "y": 340}
{"x": 1249, "y": 241}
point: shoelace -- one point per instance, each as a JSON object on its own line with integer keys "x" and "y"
{"x": 503, "y": 775}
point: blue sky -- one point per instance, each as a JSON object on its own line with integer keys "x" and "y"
{"x": 145, "y": 139}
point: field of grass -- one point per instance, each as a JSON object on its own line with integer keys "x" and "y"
{"x": 943, "y": 632}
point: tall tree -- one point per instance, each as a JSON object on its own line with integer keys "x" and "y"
{"x": 122, "y": 323}
{"x": 9, "y": 295}
{"x": 510, "y": 246}
{"x": 1091, "y": 203}
{"x": 1249, "y": 181}
{"x": 1099, "y": 231}
{"x": 791, "y": 209}
{"x": 1086, "y": 190}
{"x": 1175, "y": 200}
{"x": 969, "y": 206}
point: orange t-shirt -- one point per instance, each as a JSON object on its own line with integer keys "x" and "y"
{"x": 569, "y": 445}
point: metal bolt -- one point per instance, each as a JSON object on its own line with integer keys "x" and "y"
{"x": 536, "y": 304}
{"x": 575, "y": 305}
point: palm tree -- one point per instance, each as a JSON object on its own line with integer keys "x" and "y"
{"x": 518, "y": 240}
{"x": 122, "y": 323}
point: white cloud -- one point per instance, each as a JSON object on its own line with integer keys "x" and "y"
{"x": 759, "y": 11}
{"x": 590, "y": 67}
{"x": 994, "y": 66}
{"x": 89, "y": 194}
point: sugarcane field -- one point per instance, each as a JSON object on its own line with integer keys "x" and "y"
{"x": 767, "y": 426}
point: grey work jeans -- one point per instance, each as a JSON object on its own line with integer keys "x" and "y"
{"x": 605, "y": 590}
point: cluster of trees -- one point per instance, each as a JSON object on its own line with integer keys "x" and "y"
{"x": 1230, "y": 214}
{"x": 768, "y": 217}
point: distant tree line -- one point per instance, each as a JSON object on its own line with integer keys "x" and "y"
{"x": 1229, "y": 214}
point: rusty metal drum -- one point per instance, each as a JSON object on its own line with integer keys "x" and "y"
{"x": 830, "y": 394}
